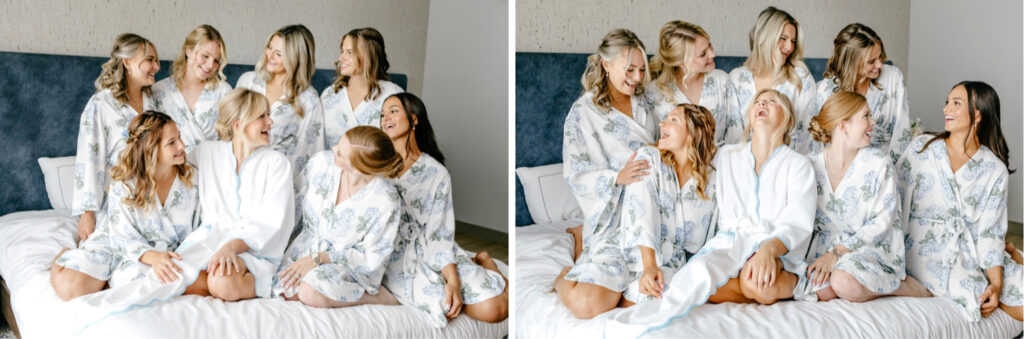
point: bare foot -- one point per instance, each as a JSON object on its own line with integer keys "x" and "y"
{"x": 910, "y": 287}
{"x": 385, "y": 297}
{"x": 484, "y": 259}
{"x": 1014, "y": 254}
{"x": 577, "y": 237}
{"x": 565, "y": 270}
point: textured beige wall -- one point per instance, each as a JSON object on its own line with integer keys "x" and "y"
{"x": 89, "y": 27}
{"x": 578, "y": 26}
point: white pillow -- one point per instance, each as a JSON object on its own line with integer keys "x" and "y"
{"x": 548, "y": 196}
{"x": 59, "y": 176}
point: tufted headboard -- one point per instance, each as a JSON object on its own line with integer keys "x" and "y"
{"x": 41, "y": 100}
{"x": 546, "y": 86}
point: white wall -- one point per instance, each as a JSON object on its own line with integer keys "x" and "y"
{"x": 466, "y": 89}
{"x": 578, "y": 26}
{"x": 89, "y": 27}
{"x": 951, "y": 41}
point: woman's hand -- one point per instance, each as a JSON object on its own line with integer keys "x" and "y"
{"x": 224, "y": 262}
{"x": 821, "y": 270}
{"x": 632, "y": 172}
{"x": 990, "y": 299}
{"x": 453, "y": 298}
{"x": 86, "y": 225}
{"x": 166, "y": 271}
{"x": 292, "y": 275}
{"x": 652, "y": 282}
{"x": 763, "y": 268}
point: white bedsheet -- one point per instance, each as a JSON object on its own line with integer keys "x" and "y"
{"x": 30, "y": 240}
{"x": 542, "y": 251}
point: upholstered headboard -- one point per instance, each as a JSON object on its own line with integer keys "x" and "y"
{"x": 41, "y": 101}
{"x": 546, "y": 86}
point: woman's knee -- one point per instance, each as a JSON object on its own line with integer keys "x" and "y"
{"x": 69, "y": 284}
{"x": 586, "y": 301}
{"x": 309, "y": 296}
{"x": 749, "y": 288}
{"x": 229, "y": 288}
{"x": 492, "y": 310}
{"x": 848, "y": 288}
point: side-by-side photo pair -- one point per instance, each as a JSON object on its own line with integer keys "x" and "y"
{"x": 768, "y": 170}
{"x": 269, "y": 171}
{"x": 512, "y": 169}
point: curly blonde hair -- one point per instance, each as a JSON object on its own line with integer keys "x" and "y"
{"x": 373, "y": 153}
{"x": 137, "y": 162}
{"x": 701, "y": 127}
{"x": 199, "y": 36}
{"x": 114, "y": 74}
{"x": 675, "y": 52}
{"x": 369, "y": 49}
{"x": 595, "y": 79}
{"x": 787, "y": 111}
{"x": 299, "y": 63}
{"x": 764, "y": 47}
{"x": 838, "y": 108}
{"x": 852, "y": 45}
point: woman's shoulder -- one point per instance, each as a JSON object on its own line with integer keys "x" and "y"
{"x": 388, "y": 88}
{"x": 247, "y": 80}
{"x": 164, "y": 85}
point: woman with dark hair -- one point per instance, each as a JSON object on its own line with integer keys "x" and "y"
{"x": 361, "y": 84}
{"x": 954, "y": 186}
{"x": 427, "y": 260}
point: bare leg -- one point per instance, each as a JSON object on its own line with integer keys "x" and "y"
{"x": 1012, "y": 250}
{"x": 585, "y": 300}
{"x": 785, "y": 282}
{"x": 1015, "y": 312}
{"x": 730, "y": 293}
{"x": 910, "y": 287}
{"x": 310, "y": 296}
{"x": 199, "y": 287}
{"x": 827, "y": 294}
{"x": 577, "y": 237}
{"x": 70, "y": 284}
{"x": 234, "y": 286}
{"x": 495, "y": 309}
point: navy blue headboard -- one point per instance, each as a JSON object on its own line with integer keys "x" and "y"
{"x": 41, "y": 101}
{"x": 546, "y": 86}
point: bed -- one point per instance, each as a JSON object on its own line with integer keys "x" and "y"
{"x": 546, "y": 86}
{"x": 40, "y": 132}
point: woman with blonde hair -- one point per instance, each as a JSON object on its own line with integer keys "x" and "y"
{"x": 603, "y": 130}
{"x": 684, "y": 73}
{"x": 122, "y": 92}
{"x": 777, "y": 62}
{"x": 191, "y": 93}
{"x": 955, "y": 187}
{"x": 152, "y": 206}
{"x": 284, "y": 74}
{"x": 350, "y": 220}
{"x": 427, "y": 259}
{"x": 857, "y": 252}
{"x": 361, "y": 84}
{"x": 858, "y": 65}
{"x": 765, "y": 220}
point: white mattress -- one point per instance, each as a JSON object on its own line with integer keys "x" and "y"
{"x": 30, "y": 240}
{"x": 542, "y": 251}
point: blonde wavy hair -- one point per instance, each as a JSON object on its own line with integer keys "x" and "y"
{"x": 199, "y": 36}
{"x": 838, "y": 108}
{"x": 368, "y": 45}
{"x": 595, "y": 79}
{"x": 373, "y": 153}
{"x": 787, "y": 110}
{"x": 299, "y": 62}
{"x": 852, "y": 46}
{"x": 137, "y": 162}
{"x": 114, "y": 74}
{"x": 764, "y": 47}
{"x": 675, "y": 53}
{"x": 701, "y": 127}
{"x": 242, "y": 105}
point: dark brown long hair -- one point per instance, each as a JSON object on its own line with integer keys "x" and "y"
{"x": 368, "y": 44}
{"x": 982, "y": 98}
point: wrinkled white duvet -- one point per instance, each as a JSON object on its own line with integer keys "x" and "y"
{"x": 30, "y": 240}
{"x": 542, "y": 251}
